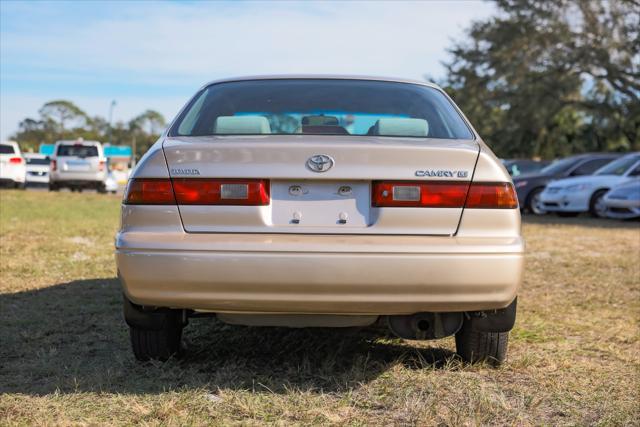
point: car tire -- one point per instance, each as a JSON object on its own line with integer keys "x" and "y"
{"x": 19, "y": 185}
{"x": 53, "y": 187}
{"x": 160, "y": 344}
{"x": 532, "y": 202}
{"x": 597, "y": 208}
{"x": 101, "y": 189}
{"x": 476, "y": 347}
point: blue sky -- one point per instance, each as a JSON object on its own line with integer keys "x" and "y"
{"x": 157, "y": 54}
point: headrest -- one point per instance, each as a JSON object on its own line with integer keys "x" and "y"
{"x": 401, "y": 127}
{"x": 320, "y": 121}
{"x": 248, "y": 125}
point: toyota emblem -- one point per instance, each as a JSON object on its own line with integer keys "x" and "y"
{"x": 320, "y": 163}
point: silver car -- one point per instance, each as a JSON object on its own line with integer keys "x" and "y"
{"x": 78, "y": 165}
{"x": 623, "y": 201}
{"x": 303, "y": 201}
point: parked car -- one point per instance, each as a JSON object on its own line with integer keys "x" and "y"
{"x": 571, "y": 196}
{"x": 623, "y": 201}
{"x": 111, "y": 183}
{"x": 77, "y": 165}
{"x": 259, "y": 206}
{"x": 37, "y": 169}
{"x": 517, "y": 167}
{"x": 12, "y": 167}
{"x": 530, "y": 186}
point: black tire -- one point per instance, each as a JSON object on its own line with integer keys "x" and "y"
{"x": 19, "y": 185}
{"x": 53, "y": 187}
{"x": 532, "y": 199}
{"x": 596, "y": 209}
{"x": 475, "y": 347}
{"x": 158, "y": 344}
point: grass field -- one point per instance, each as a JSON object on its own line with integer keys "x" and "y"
{"x": 65, "y": 357}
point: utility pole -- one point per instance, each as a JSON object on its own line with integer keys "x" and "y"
{"x": 113, "y": 104}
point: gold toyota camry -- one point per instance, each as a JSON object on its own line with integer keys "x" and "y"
{"x": 321, "y": 201}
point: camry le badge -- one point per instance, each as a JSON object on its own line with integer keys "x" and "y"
{"x": 443, "y": 173}
{"x": 320, "y": 163}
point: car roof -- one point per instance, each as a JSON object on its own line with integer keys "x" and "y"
{"x": 77, "y": 141}
{"x": 589, "y": 155}
{"x": 321, "y": 77}
{"x": 34, "y": 155}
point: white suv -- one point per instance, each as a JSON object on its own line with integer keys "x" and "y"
{"x": 12, "y": 166}
{"x": 77, "y": 165}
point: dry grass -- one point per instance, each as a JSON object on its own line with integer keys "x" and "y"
{"x": 65, "y": 358}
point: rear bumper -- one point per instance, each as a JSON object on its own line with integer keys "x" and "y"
{"x": 319, "y": 273}
{"x": 76, "y": 178}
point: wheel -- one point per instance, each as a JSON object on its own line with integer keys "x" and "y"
{"x": 101, "y": 189}
{"x": 158, "y": 344}
{"x": 19, "y": 185}
{"x": 53, "y": 187}
{"x": 533, "y": 202}
{"x": 567, "y": 214}
{"x": 597, "y": 208}
{"x": 155, "y": 333}
{"x": 474, "y": 346}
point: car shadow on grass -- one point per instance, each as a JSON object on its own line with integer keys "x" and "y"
{"x": 71, "y": 337}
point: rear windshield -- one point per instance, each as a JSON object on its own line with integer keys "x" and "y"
{"x": 78, "y": 150}
{"x": 6, "y": 149}
{"x": 37, "y": 161}
{"x": 321, "y": 107}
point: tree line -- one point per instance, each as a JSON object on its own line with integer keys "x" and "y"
{"x": 61, "y": 119}
{"x": 551, "y": 78}
{"x": 539, "y": 79}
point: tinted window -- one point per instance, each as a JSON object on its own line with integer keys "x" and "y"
{"x": 619, "y": 167}
{"x": 589, "y": 167}
{"x": 6, "y": 149}
{"x": 321, "y": 106}
{"x": 635, "y": 171}
{"x": 78, "y": 150}
{"x": 559, "y": 166}
{"x": 37, "y": 161}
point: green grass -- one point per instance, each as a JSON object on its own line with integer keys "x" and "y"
{"x": 65, "y": 357}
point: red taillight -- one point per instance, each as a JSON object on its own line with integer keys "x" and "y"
{"x": 444, "y": 194}
{"x": 203, "y": 191}
{"x": 15, "y": 160}
{"x": 101, "y": 165}
{"x": 435, "y": 194}
{"x": 198, "y": 191}
{"x": 149, "y": 191}
{"x": 497, "y": 195}
{"x": 54, "y": 165}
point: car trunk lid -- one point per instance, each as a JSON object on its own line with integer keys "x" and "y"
{"x": 336, "y": 200}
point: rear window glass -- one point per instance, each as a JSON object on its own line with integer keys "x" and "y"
{"x": 37, "y": 161}
{"x": 6, "y": 149}
{"x": 78, "y": 150}
{"x": 321, "y": 107}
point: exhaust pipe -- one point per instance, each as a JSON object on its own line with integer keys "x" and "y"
{"x": 425, "y": 326}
